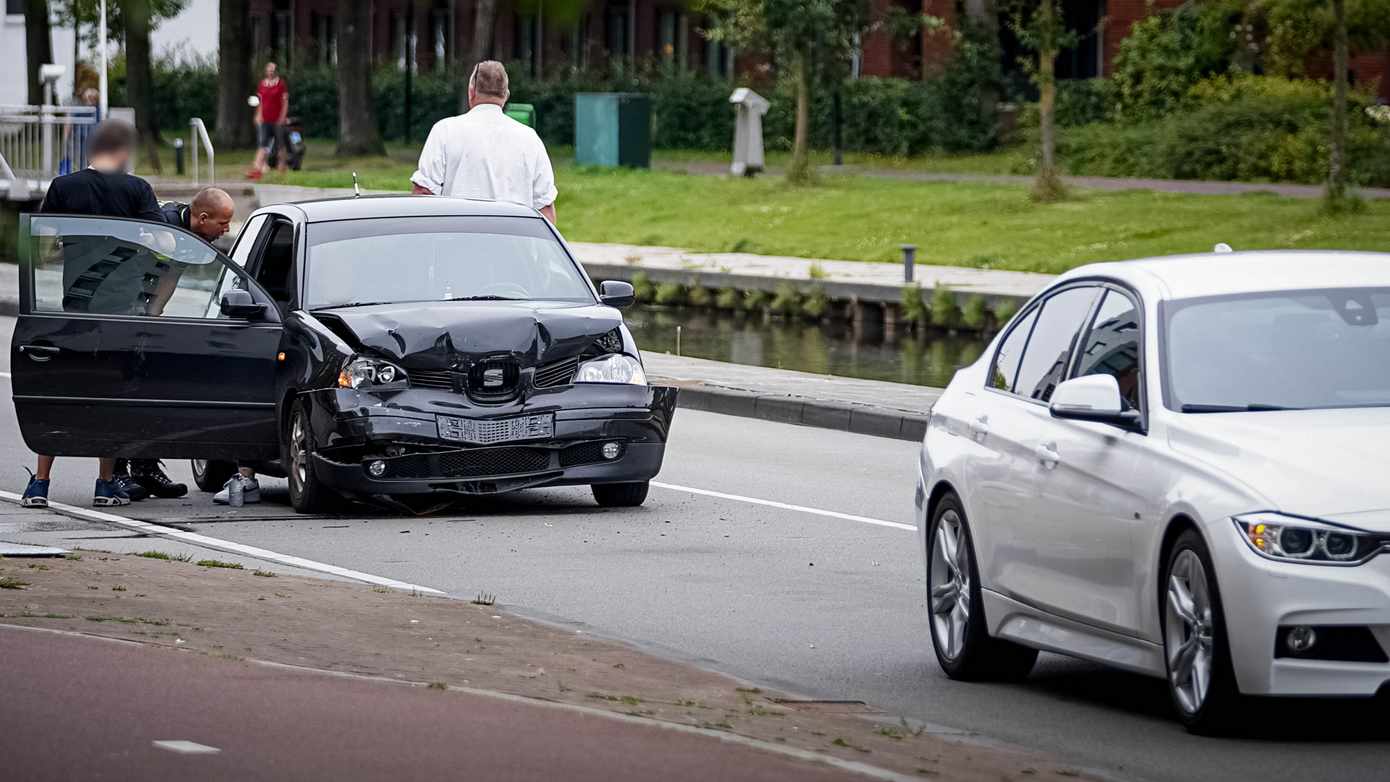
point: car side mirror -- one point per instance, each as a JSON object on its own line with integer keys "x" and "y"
{"x": 616, "y": 293}
{"x": 1093, "y": 398}
{"x": 238, "y": 303}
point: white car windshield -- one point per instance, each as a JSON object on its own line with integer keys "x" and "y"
{"x": 394, "y": 260}
{"x": 1278, "y": 350}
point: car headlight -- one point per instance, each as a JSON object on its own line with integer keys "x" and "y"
{"x": 1304, "y": 540}
{"x": 361, "y": 371}
{"x": 613, "y": 368}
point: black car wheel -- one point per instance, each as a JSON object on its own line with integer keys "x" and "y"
{"x": 211, "y": 474}
{"x": 963, "y": 646}
{"x": 620, "y": 495}
{"x": 307, "y": 492}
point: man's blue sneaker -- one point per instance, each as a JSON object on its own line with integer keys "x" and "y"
{"x": 36, "y": 493}
{"x": 109, "y": 494}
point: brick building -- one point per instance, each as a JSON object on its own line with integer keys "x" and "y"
{"x": 615, "y": 34}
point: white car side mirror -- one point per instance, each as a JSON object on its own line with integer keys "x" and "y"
{"x": 1093, "y": 398}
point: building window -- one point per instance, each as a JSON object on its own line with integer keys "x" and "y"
{"x": 14, "y": 7}
{"x": 325, "y": 39}
{"x": 525, "y": 43}
{"x": 1082, "y": 61}
{"x": 719, "y": 59}
{"x": 439, "y": 36}
{"x": 579, "y": 43}
{"x": 615, "y": 33}
{"x": 281, "y": 33}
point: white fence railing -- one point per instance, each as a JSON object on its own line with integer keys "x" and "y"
{"x": 41, "y": 142}
{"x": 200, "y": 137}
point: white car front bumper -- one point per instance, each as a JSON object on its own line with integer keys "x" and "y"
{"x": 1260, "y": 595}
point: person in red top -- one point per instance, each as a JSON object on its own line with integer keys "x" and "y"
{"x": 272, "y": 116}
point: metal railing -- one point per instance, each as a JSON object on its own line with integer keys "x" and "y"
{"x": 200, "y": 136}
{"x": 41, "y": 142}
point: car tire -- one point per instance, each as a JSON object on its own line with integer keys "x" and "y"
{"x": 620, "y": 495}
{"x": 962, "y": 643}
{"x": 1190, "y": 604}
{"x": 211, "y": 475}
{"x": 307, "y": 492}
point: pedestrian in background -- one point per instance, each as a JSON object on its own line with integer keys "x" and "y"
{"x": 484, "y": 153}
{"x": 103, "y": 189}
{"x": 272, "y": 118}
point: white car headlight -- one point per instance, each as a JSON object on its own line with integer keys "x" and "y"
{"x": 1295, "y": 539}
{"x": 612, "y": 368}
{"x": 360, "y": 371}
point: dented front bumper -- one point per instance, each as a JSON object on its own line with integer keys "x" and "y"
{"x": 354, "y": 429}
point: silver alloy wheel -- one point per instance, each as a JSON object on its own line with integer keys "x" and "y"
{"x": 299, "y": 451}
{"x": 950, "y": 585}
{"x": 200, "y": 468}
{"x": 1188, "y": 631}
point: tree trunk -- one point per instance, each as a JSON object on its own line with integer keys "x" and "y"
{"x": 1048, "y": 186}
{"x": 140, "y": 78}
{"x": 800, "y": 170}
{"x": 1336, "y": 170}
{"x": 234, "y": 81}
{"x": 484, "y": 28}
{"x": 358, "y": 133}
{"x": 38, "y": 45}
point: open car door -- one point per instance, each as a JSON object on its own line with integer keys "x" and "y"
{"x": 138, "y": 339}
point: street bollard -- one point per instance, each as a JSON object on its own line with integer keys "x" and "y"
{"x": 909, "y": 258}
{"x": 178, "y": 156}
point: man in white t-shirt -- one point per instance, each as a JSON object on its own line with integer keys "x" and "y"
{"x": 486, "y": 154}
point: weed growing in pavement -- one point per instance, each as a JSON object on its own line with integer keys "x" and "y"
{"x": 843, "y": 743}
{"x": 716, "y": 725}
{"x": 128, "y": 620}
{"x": 438, "y": 686}
{"x": 167, "y": 557}
{"x": 75, "y": 557}
{"x": 118, "y": 588}
{"x": 484, "y": 599}
{"x": 219, "y": 563}
{"x": 36, "y": 566}
{"x": 889, "y": 731}
{"x": 816, "y": 272}
{"x": 382, "y": 590}
{"x": 49, "y": 615}
{"x": 10, "y": 582}
{"x": 626, "y": 700}
{"x": 263, "y": 573}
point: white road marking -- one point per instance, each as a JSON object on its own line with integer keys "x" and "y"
{"x": 787, "y": 506}
{"x": 228, "y": 546}
{"x": 186, "y": 747}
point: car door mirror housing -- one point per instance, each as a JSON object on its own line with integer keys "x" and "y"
{"x": 238, "y": 303}
{"x": 616, "y": 293}
{"x": 1093, "y": 398}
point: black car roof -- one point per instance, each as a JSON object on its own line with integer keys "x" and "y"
{"x": 357, "y": 208}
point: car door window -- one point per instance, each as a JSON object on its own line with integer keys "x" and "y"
{"x": 1112, "y": 346}
{"x": 1048, "y": 353}
{"x": 1005, "y": 370}
{"x": 104, "y": 266}
{"x": 246, "y": 241}
{"x": 277, "y": 264}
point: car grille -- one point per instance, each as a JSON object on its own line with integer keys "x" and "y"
{"x": 477, "y": 463}
{"x": 434, "y": 378}
{"x": 560, "y": 373}
{"x": 494, "y": 380}
{"x": 583, "y": 453}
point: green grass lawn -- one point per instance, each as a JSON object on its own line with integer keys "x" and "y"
{"x": 862, "y": 218}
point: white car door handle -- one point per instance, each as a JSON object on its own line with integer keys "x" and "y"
{"x": 979, "y": 428}
{"x": 1047, "y": 454}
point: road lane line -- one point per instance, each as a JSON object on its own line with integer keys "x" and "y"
{"x": 186, "y": 747}
{"x": 196, "y": 539}
{"x": 787, "y": 506}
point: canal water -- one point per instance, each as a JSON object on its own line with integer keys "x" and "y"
{"x": 828, "y": 348}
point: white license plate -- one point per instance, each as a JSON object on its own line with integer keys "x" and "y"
{"x": 504, "y": 430}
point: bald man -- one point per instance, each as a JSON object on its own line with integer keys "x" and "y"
{"x": 209, "y": 215}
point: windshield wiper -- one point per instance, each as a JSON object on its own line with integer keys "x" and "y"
{"x": 1250, "y": 408}
{"x": 483, "y": 298}
{"x": 355, "y": 304}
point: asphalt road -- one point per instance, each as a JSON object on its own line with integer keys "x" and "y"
{"x": 822, "y": 605}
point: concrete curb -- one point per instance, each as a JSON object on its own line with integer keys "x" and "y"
{"x": 802, "y": 411}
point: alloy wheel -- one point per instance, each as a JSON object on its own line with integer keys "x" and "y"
{"x": 950, "y": 585}
{"x": 299, "y": 451}
{"x": 1188, "y": 631}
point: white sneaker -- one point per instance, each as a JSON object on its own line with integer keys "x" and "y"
{"x": 250, "y": 491}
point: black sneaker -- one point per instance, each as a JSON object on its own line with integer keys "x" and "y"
{"x": 149, "y": 473}
{"x": 130, "y": 487}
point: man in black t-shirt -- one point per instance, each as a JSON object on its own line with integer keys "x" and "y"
{"x": 104, "y": 189}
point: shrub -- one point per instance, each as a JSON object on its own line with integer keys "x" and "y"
{"x": 699, "y": 296}
{"x": 642, "y": 288}
{"x": 755, "y": 301}
{"x": 914, "y": 308}
{"x": 670, "y": 294}
{"x": 1004, "y": 311}
{"x": 787, "y": 301}
{"x": 727, "y": 298}
{"x": 815, "y": 303}
{"x": 1165, "y": 54}
{"x": 944, "y": 313}
{"x": 974, "y": 314}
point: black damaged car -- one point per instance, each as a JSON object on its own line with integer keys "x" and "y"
{"x": 390, "y": 348}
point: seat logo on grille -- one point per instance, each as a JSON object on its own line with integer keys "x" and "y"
{"x": 493, "y": 378}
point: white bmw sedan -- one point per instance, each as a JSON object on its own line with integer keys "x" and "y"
{"x": 1179, "y": 467}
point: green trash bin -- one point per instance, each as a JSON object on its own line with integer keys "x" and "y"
{"x": 613, "y": 129}
{"x": 525, "y": 113}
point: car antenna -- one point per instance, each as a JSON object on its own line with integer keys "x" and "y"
{"x": 1222, "y": 247}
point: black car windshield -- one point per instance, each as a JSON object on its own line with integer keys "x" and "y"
{"x": 1280, "y": 350}
{"x": 393, "y": 260}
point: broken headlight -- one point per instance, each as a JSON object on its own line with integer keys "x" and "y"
{"x": 361, "y": 371}
{"x": 612, "y": 368}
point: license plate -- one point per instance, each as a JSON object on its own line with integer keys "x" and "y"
{"x": 504, "y": 430}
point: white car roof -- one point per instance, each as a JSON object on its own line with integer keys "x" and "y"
{"x": 1216, "y": 274}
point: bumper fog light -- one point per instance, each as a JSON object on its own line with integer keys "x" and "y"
{"x": 612, "y": 450}
{"x": 377, "y": 468}
{"x": 1300, "y": 639}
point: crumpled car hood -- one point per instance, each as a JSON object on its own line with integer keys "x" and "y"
{"x": 439, "y": 335}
